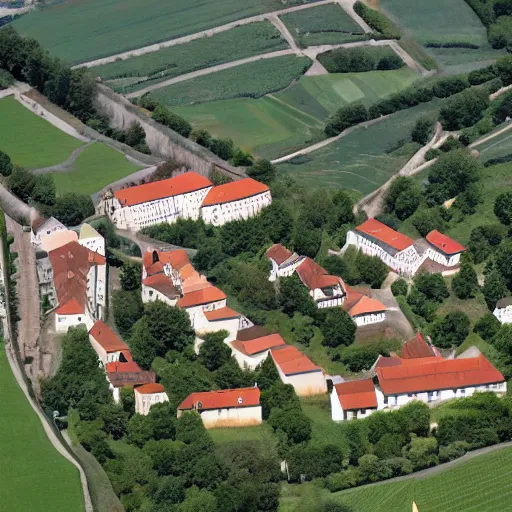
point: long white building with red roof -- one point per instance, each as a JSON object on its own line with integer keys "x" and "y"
{"x": 434, "y": 253}
{"x": 186, "y": 196}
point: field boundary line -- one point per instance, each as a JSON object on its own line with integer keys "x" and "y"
{"x": 490, "y": 137}
{"x": 319, "y": 122}
{"x": 197, "y": 35}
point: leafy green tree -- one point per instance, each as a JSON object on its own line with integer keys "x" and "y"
{"x": 163, "y": 115}
{"x": 503, "y": 258}
{"x": 502, "y": 340}
{"x": 452, "y": 330}
{"x": 343, "y": 209}
{"x": 422, "y": 130}
{"x": 231, "y": 376}
{"x": 371, "y": 269}
{"x": 139, "y": 430}
{"x": 209, "y": 255}
{"x": 162, "y": 419}
{"x": 373, "y": 469}
{"x": 164, "y": 454}
{"x": 115, "y": 420}
{"x": 302, "y": 328}
{"x": 241, "y": 158}
{"x": 464, "y": 109}
{"x": 71, "y": 209}
{"x": 433, "y": 286}
{"x": 357, "y": 438}
{"x": 421, "y": 451}
{"x": 294, "y": 297}
{"x": 487, "y": 326}
{"x": 494, "y": 288}
{"x": 213, "y": 352}
{"x": 277, "y": 222}
{"x": 170, "y": 491}
{"x": 130, "y": 276}
{"x": 483, "y": 239}
{"x": 307, "y": 240}
{"x": 465, "y": 282}
{"x": 267, "y": 374}
{"x": 128, "y": 308}
{"x": 427, "y": 219}
{"x": 21, "y": 183}
{"x": 198, "y": 499}
{"x": 135, "y": 135}
{"x": 202, "y": 137}
{"x": 293, "y": 422}
{"x": 468, "y": 200}
{"x": 399, "y": 287}
{"x": 504, "y": 67}
{"x": 6, "y": 166}
{"x": 503, "y": 208}
{"x": 345, "y": 117}
{"x": 338, "y": 328}
{"x": 94, "y": 439}
{"x": 81, "y": 94}
{"x": 223, "y": 148}
{"x": 262, "y": 170}
{"x": 278, "y": 396}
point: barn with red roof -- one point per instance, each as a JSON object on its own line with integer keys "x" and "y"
{"x": 148, "y": 395}
{"x": 252, "y": 349}
{"x": 353, "y": 400}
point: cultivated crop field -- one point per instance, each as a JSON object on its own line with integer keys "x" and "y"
{"x": 238, "y": 43}
{"x": 278, "y": 123}
{"x": 443, "y": 21}
{"x": 82, "y": 30}
{"x": 325, "y": 24}
{"x": 29, "y": 140}
{"x": 364, "y": 159}
{"x": 96, "y": 167}
{"x": 498, "y": 147}
{"x": 251, "y": 80}
{"x": 34, "y": 476}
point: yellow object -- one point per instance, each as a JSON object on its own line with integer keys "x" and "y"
{"x": 414, "y": 507}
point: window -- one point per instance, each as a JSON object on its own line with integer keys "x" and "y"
{"x": 363, "y": 411}
{"x": 79, "y": 318}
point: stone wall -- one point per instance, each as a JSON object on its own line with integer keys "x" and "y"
{"x": 161, "y": 140}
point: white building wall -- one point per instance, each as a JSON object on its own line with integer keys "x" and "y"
{"x": 284, "y": 270}
{"x": 247, "y": 362}
{"x": 231, "y": 417}
{"x": 50, "y": 226}
{"x": 104, "y": 356}
{"x": 504, "y": 315}
{"x": 64, "y": 322}
{"x": 197, "y": 319}
{"x": 144, "y": 402}
{"x": 230, "y": 325}
{"x": 95, "y": 244}
{"x": 338, "y": 414}
{"x": 372, "y": 318}
{"x": 305, "y": 384}
{"x": 219, "y": 214}
{"x": 150, "y": 295}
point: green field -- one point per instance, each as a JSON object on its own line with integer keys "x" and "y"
{"x": 498, "y": 147}
{"x": 34, "y": 476}
{"x": 82, "y": 30}
{"x": 252, "y": 80}
{"x": 238, "y": 43}
{"x": 364, "y": 159}
{"x": 279, "y": 123}
{"x": 29, "y": 140}
{"x": 444, "y": 21}
{"x": 256, "y": 433}
{"x": 96, "y": 167}
{"x": 325, "y": 24}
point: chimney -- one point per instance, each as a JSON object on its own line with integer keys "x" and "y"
{"x": 155, "y": 256}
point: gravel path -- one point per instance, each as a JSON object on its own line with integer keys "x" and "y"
{"x": 63, "y": 166}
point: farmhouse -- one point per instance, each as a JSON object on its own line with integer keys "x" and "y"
{"x": 353, "y": 400}
{"x": 148, "y": 395}
{"x": 167, "y": 201}
{"x": 363, "y": 310}
{"x": 298, "y": 370}
{"x": 284, "y": 262}
{"x": 107, "y": 344}
{"x": 417, "y": 347}
{"x": 252, "y": 347}
{"x": 79, "y": 283}
{"x": 503, "y": 310}
{"x": 226, "y": 408}
{"x": 121, "y": 374}
{"x": 236, "y": 200}
{"x": 435, "y": 253}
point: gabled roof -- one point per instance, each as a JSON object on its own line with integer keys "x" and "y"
{"x": 162, "y": 284}
{"x": 234, "y": 191}
{"x": 430, "y": 374}
{"x": 383, "y": 233}
{"x": 228, "y": 398}
{"x": 293, "y": 362}
{"x": 251, "y": 333}
{"x": 200, "y": 297}
{"x": 257, "y": 345}
{"x": 87, "y": 231}
{"x": 357, "y": 394}
{"x": 71, "y": 264}
{"x": 279, "y": 253}
{"x": 107, "y": 338}
{"x": 503, "y": 303}
{"x": 417, "y": 347}
{"x": 150, "y": 389}
{"x": 57, "y": 239}
{"x": 182, "y": 184}
{"x": 444, "y": 243}
{"x": 221, "y": 314}
{"x": 365, "y": 306}
{"x": 314, "y": 276}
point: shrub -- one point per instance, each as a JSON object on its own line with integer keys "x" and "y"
{"x": 431, "y": 154}
{"x": 390, "y": 62}
{"x": 479, "y": 76}
{"x": 400, "y": 287}
{"x": 487, "y": 326}
{"x": 351, "y": 477}
{"x": 453, "y": 451}
{"x": 346, "y": 117}
{"x": 464, "y": 109}
{"x": 422, "y": 130}
{"x": 452, "y": 330}
{"x": 362, "y": 357}
{"x": 500, "y": 33}
{"x": 503, "y": 208}
{"x": 377, "y": 21}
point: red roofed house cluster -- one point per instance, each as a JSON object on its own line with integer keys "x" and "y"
{"x": 435, "y": 253}
{"x": 187, "y": 196}
{"x": 326, "y": 290}
{"x": 419, "y": 374}
{"x": 225, "y": 408}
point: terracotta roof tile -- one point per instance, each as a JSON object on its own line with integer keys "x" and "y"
{"x": 292, "y": 362}
{"x": 234, "y": 191}
{"x": 357, "y": 394}
{"x": 182, "y": 184}
{"x": 417, "y": 347}
{"x": 221, "y": 314}
{"x": 244, "y": 397}
{"x": 251, "y": 333}
{"x": 257, "y": 345}
{"x": 444, "y": 243}
{"x": 199, "y": 297}
{"x": 380, "y": 231}
{"x": 150, "y": 389}
{"x": 107, "y": 338}
{"x": 314, "y": 276}
{"x": 279, "y": 253}
{"x": 429, "y": 374}
{"x": 365, "y": 305}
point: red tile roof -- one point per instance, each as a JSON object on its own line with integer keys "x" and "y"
{"x": 221, "y": 314}
{"x": 200, "y": 297}
{"x": 292, "y": 362}
{"x": 444, "y": 243}
{"x": 314, "y": 276}
{"x": 429, "y": 374}
{"x": 365, "y": 306}
{"x": 182, "y": 184}
{"x": 234, "y": 191}
{"x": 150, "y": 389}
{"x": 417, "y": 347}
{"x": 107, "y": 338}
{"x": 244, "y": 397}
{"x": 279, "y": 253}
{"x": 380, "y": 231}
{"x": 357, "y": 394}
{"x": 258, "y": 345}
{"x": 71, "y": 264}
{"x": 122, "y": 367}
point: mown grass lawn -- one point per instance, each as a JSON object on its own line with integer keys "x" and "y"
{"x": 498, "y": 147}
{"x": 30, "y": 140}
{"x": 261, "y": 432}
{"x": 82, "y": 30}
{"x": 33, "y": 475}
{"x": 97, "y": 166}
